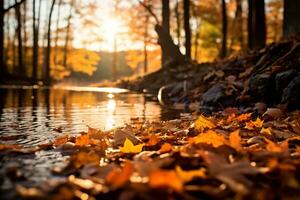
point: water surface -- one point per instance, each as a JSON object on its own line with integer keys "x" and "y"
{"x": 34, "y": 115}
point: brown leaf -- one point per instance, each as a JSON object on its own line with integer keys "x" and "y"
{"x": 117, "y": 178}
{"x": 61, "y": 140}
{"x": 82, "y": 140}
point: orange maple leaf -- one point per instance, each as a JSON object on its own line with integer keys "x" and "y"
{"x": 210, "y": 137}
{"x": 119, "y": 177}
{"x": 235, "y": 140}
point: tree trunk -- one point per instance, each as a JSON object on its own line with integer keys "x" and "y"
{"x": 2, "y": 66}
{"x": 178, "y": 22}
{"x": 291, "y": 22}
{"x": 35, "y": 29}
{"x": 239, "y": 21}
{"x": 165, "y": 24}
{"x": 259, "y": 24}
{"x": 250, "y": 22}
{"x": 256, "y": 24}
{"x": 146, "y": 35}
{"x": 223, "y": 52}
{"x": 25, "y": 39}
{"x": 48, "y": 50}
{"x": 57, "y": 32}
{"x": 187, "y": 28}
{"x": 65, "y": 59}
{"x": 21, "y": 71}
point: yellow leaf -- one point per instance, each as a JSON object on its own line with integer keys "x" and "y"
{"x": 187, "y": 176}
{"x": 266, "y": 130}
{"x": 210, "y": 137}
{"x": 202, "y": 123}
{"x": 129, "y": 147}
{"x": 235, "y": 140}
{"x": 258, "y": 123}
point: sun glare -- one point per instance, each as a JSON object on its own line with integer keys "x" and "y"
{"x": 111, "y": 28}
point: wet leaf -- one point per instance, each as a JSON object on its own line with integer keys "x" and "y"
{"x": 82, "y": 140}
{"x": 61, "y": 140}
{"x": 129, "y": 147}
{"x": 83, "y": 158}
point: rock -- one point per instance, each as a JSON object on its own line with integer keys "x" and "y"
{"x": 273, "y": 113}
{"x": 216, "y": 97}
{"x": 259, "y": 86}
{"x": 282, "y": 79}
{"x": 291, "y": 94}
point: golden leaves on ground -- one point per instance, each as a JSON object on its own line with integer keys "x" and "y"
{"x": 129, "y": 147}
{"x": 202, "y": 123}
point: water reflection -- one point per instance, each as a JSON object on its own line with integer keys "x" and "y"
{"x": 35, "y": 113}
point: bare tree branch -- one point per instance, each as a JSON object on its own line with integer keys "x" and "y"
{"x": 13, "y": 6}
{"x": 148, "y": 8}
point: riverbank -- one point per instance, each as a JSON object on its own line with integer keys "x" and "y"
{"x": 270, "y": 76}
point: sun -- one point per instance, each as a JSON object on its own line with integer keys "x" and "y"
{"x": 111, "y": 28}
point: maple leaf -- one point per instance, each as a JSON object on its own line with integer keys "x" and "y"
{"x": 244, "y": 117}
{"x": 210, "y": 137}
{"x": 277, "y": 148}
{"x": 129, "y": 147}
{"x": 166, "y": 147}
{"x": 187, "y": 176}
{"x": 165, "y": 179}
{"x": 252, "y": 124}
{"x": 61, "y": 140}
{"x": 119, "y": 177}
{"x": 202, "y": 122}
{"x": 235, "y": 140}
{"x": 82, "y": 140}
{"x": 153, "y": 140}
{"x": 266, "y": 130}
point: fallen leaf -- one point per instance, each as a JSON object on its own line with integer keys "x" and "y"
{"x": 235, "y": 140}
{"x": 273, "y": 113}
{"x": 129, "y": 147}
{"x": 119, "y": 177}
{"x": 210, "y": 137}
{"x": 83, "y": 158}
{"x": 277, "y": 148}
{"x": 165, "y": 148}
{"x": 82, "y": 140}
{"x": 244, "y": 117}
{"x": 189, "y": 175}
{"x": 153, "y": 139}
{"x": 266, "y": 130}
{"x": 202, "y": 122}
{"x": 61, "y": 140}
{"x": 165, "y": 179}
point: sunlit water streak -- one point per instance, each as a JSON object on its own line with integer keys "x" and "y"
{"x": 33, "y": 114}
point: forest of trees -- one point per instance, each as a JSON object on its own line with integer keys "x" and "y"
{"x": 37, "y": 37}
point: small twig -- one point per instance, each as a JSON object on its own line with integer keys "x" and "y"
{"x": 148, "y": 8}
{"x": 14, "y": 5}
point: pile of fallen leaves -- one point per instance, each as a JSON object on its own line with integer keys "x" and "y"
{"x": 224, "y": 156}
